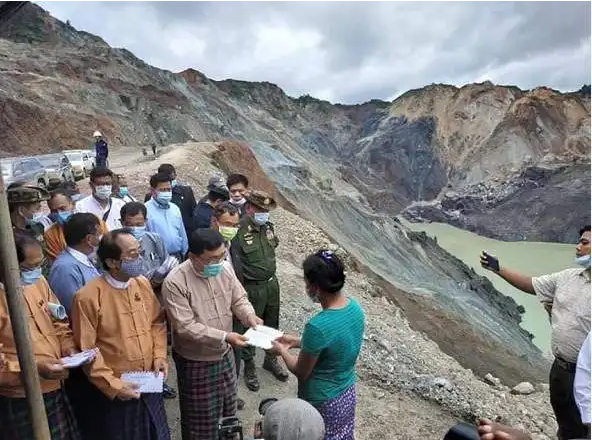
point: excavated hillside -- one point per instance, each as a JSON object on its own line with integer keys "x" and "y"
{"x": 475, "y": 156}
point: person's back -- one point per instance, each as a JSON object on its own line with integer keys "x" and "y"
{"x": 335, "y": 336}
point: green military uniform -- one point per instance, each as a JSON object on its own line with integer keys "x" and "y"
{"x": 255, "y": 248}
{"x": 24, "y": 195}
{"x": 256, "y": 245}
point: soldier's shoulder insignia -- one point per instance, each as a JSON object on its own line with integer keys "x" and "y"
{"x": 270, "y": 234}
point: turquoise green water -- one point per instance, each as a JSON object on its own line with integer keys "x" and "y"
{"x": 529, "y": 258}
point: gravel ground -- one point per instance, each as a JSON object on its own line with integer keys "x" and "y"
{"x": 408, "y": 388}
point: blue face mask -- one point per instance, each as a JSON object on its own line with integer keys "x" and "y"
{"x": 261, "y": 218}
{"x": 35, "y": 219}
{"x": 123, "y": 191}
{"x": 62, "y": 217}
{"x": 212, "y": 270}
{"x": 164, "y": 198}
{"x": 133, "y": 268}
{"x": 174, "y": 183}
{"x": 76, "y": 197}
{"x": 138, "y": 231}
{"x": 583, "y": 261}
{"x": 30, "y": 276}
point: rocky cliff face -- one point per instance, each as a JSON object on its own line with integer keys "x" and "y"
{"x": 441, "y": 143}
{"x": 330, "y": 163}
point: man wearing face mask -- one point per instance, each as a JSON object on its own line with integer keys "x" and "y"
{"x": 121, "y": 190}
{"x": 74, "y": 268}
{"x": 183, "y": 197}
{"x": 164, "y": 218}
{"x": 238, "y": 187}
{"x": 566, "y": 295}
{"x": 226, "y": 221}
{"x": 71, "y": 271}
{"x": 62, "y": 207}
{"x": 101, "y": 203}
{"x": 256, "y": 242}
{"x": 24, "y": 204}
{"x": 119, "y": 314}
{"x": 200, "y": 298}
{"x": 157, "y": 261}
{"x": 51, "y": 339}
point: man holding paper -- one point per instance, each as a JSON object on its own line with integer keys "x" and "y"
{"x": 119, "y": 314}
{"x": 200, "y": 298}
{"x": 51, "y": 339}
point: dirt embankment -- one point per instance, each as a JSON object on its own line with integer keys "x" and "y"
{"x": 408, "y": 388}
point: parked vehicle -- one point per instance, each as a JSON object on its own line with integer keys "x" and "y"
{"x": 58, "y": 167}
{"x": 88, "y": 156}
{"x": 24, "y": 169}
{"x": 82, "y": 163}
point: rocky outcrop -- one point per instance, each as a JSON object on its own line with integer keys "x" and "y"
{"x": 553, "y": 203}
{"x": 59, "y": 84}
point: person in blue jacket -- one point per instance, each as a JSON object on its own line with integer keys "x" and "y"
{"x": 101, "y": 150}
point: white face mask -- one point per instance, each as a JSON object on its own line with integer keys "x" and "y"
{"x": 103, "y": 192}
{"x": 583, "y": 261}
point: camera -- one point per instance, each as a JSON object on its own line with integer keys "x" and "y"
{"x": 231, "y": 428}
{"x": 462, "y": 431}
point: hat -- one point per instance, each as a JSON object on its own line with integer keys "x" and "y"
{"x": 26, "y": 194}
{"x": 293, "y": 419}
{"x": 217, "y": 185}
{"x": 97, "y": 133}
{"x": 261, "y": 199}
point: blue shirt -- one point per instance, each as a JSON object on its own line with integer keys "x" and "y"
{"x": 168, "y": 223}
{"x": 68, "y": 275}
{"x": 334, "y": 336}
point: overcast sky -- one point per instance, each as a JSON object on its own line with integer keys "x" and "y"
{"x": 351, "y": 52}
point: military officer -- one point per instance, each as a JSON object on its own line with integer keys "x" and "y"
{"x": 24, "y": 203}
{"x": 256, "y": 242}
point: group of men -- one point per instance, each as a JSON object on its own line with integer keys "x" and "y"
{"x": 123, "y": 270}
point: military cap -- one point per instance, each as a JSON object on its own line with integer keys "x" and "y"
{"x": 26, "y": 194}
{"x": 261, "y": 199}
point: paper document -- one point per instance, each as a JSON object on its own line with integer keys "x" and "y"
{"x": 84, "y": 357}
{"x": 262, "y": 336}
{"x": 147, "y": 381}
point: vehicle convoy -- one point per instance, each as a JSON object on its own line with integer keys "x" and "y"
{"x": 24, "y": 169}
{"x": 58, "y": 167}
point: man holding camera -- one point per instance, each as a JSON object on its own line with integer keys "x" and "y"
{"x": 200, "y": 297}
{"x": 566, "y": 296}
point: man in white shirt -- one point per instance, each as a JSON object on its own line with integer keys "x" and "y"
{"x": 101, "y": 203}
{"x": 582, "y": 382}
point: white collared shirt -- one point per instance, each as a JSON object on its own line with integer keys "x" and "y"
{"x": 123, "y": 285}
{"x": 582, "y": 381}
{"x": 82, "y": 258}
{"x": 91, "y": 205}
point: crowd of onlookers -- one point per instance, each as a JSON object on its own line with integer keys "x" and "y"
{"x": 127, "y": 274}
{"x": 124, "y": 279}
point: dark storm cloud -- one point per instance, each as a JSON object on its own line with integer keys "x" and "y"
{"x": 352, "y": 51}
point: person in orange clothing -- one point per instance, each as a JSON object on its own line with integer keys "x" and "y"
{"x": 119, "y": 314}
{"x": 62, "y": 207}
{"x": 51, "y": 339}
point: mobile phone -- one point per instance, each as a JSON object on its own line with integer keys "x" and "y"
{"x": 490, "y": 262}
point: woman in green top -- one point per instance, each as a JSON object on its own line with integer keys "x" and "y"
{"x": 329, "y": 347}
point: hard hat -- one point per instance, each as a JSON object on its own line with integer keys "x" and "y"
{"x": 97, "y": 134}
